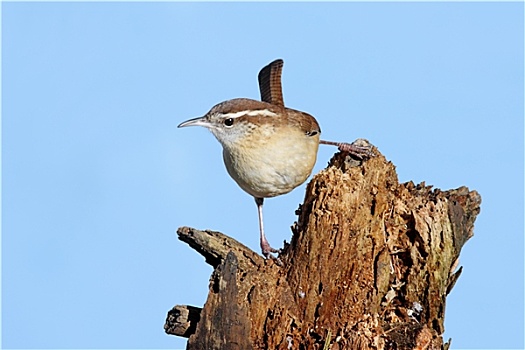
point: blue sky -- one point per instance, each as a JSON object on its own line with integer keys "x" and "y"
{"x": 96, "y": 178}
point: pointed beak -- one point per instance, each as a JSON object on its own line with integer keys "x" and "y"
{"x": 200, "y": 121}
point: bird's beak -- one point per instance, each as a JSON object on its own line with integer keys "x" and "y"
{"x": 200, "y": 121}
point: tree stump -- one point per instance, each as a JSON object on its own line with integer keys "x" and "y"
{"x": 369, "y": 266}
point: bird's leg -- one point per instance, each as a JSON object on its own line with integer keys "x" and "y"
{"x": 360, "y": 148}
{"x": 265, "y": 246}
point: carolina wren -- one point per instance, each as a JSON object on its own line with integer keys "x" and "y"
{"x": 268, "y": 149}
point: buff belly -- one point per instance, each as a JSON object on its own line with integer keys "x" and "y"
{"x": 276, "y": 168}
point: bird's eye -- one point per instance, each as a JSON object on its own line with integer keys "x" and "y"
{"x": 228, "y": 122}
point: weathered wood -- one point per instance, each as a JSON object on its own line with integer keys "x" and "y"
{"x": 228, "y": 326}
{"x": 369, "y": 266}
{"x": 214, "y": 247}
{"x": 182, "y": 320}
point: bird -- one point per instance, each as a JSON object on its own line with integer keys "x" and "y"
{"x": 268, "y": 149}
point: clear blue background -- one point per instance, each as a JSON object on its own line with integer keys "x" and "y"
{"x": 97, "y": 178}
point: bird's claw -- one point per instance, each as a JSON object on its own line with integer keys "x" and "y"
{"x": 267, "y": 251}
{"x": 357, "y": 151}
{"x": 360, "y": 148}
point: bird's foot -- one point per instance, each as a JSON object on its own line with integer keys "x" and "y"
{"x": 267, "y": 251}
{"x": 360, "y": 148}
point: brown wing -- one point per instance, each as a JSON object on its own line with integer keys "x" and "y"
{"x": 304, "y": 121}
{"x": 270, "y": 83}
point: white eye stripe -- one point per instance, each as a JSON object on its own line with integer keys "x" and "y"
{"x": 250, "y": 113}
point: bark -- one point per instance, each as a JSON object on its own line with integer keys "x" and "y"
{"x": 369, "y": 266}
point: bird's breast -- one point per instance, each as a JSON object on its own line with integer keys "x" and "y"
{"x": 270, "y": 164}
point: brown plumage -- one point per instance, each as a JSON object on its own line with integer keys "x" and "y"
{"x": 270, "y": 83}
{"x": 284, "y": 116}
